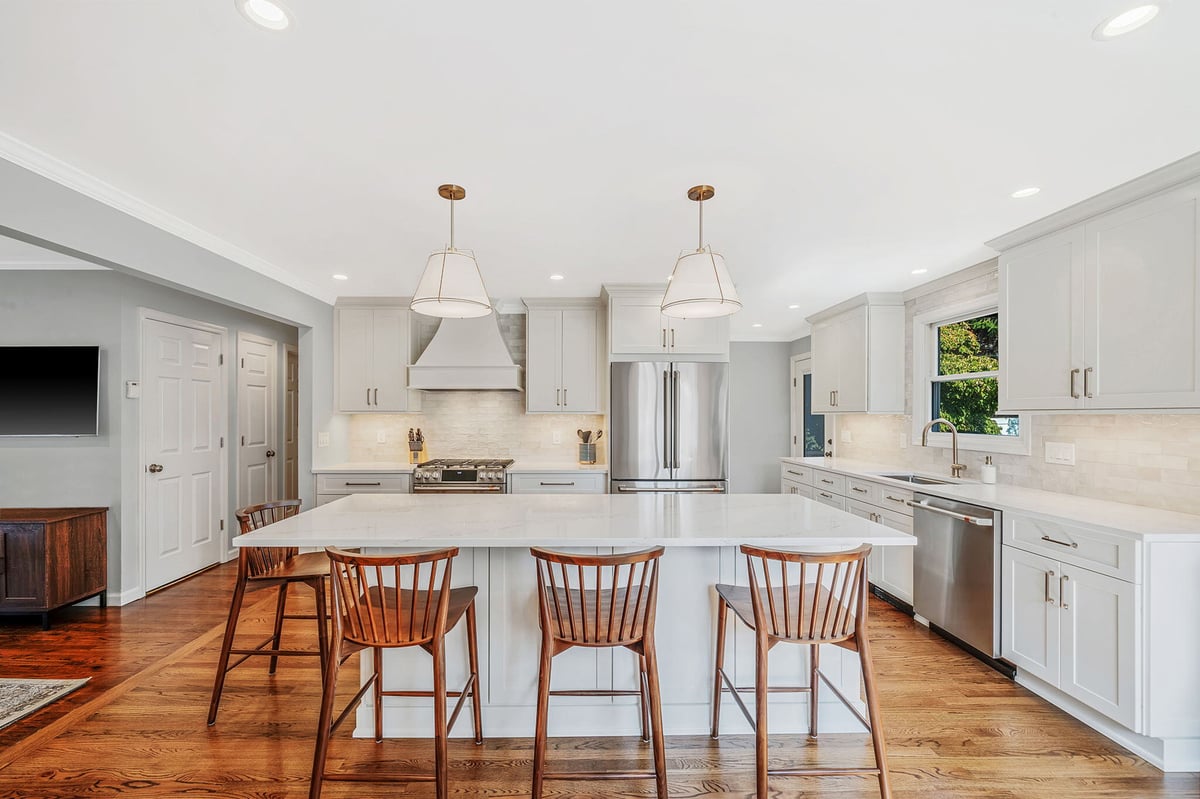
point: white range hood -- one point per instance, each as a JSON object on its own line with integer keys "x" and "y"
{"x": 466, "y": 355}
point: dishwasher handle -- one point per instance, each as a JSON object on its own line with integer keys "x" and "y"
{"x": 978, "y": 521}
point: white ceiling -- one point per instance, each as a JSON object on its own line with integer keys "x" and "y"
{"x": 849, "y": 143}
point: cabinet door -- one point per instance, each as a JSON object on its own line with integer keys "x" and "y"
{"x": 896, "y": 563}
{"x": 1099, "y": 642}
{"x": 580, "y": 368}
{"x": 1041, "y": 323}
{"x": 850, "y": 331}
{"x": 1030, "y": 619}
{"x": 698, "y": 336}
{"x": 543, "y": 369}
{"x": 832, "y": 500}
{"x": 22, "y": 565}
{"x": 637, "y": 326}
{"x": 824, "y": 366}
{"x": 1142, "y": 309}
{"x": 389, "y": 363}
{"x": 354, "y": 348}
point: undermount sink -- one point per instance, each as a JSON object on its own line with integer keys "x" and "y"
{"x": 915, "y": 479}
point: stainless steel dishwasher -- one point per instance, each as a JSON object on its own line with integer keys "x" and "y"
{"x": 956, "y": 569}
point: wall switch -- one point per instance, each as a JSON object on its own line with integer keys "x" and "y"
{"x": 133, "y": 389}
{"x": 1060, "y": 453}
{"x": 381, "y": 437}
{"x": 322, "y": 439}
{"x": 556, "y": 437}
{"x": 847, "y": 438}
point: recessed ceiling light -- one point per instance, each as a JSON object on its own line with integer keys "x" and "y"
{"x": 1125, "y": 22}
{"x": 340, "y": 277}
{"x": 793, "y": 307}
{"x": 1021, "y": 194}
{"x": 920, "y": 271}
{"x": 269, "y": 14}
{"x": 556, "y": 277}
{"x": 756, "y": 324}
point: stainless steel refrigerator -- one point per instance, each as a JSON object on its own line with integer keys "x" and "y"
{"x": 669, "y": 427}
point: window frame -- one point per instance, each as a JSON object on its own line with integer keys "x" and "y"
{"x": 801, "y": 365}
{"x": 925, "y": 359}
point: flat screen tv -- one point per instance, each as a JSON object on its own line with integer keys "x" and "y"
{"x": 49, "y": 391}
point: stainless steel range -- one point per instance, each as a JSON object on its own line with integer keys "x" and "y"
{"x": 469, "y": 476}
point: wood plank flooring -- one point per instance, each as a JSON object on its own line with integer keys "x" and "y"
{"x": 954, "y": 727}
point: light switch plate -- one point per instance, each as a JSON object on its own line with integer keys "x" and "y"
{"x": 847, "y": 438}
{"x": 381, "y": 437}
{"x": 1060, "y": 453}
{"x": 133, "y": 389}
{"x": 556, "y": 437}
{"x": 322, "y": 439}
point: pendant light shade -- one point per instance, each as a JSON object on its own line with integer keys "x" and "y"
{"x": 451, "y": 285}
{"x": 700, "y": 286}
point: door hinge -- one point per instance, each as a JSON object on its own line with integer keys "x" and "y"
{"x": 794, "y": 440}
{"x": 221, "y": 360}
{"x": 222, "y": 524}
{"x": 793, "y": 382}
{"x": 243, "y": 441}
{"x": 222, "y": 442}
{"x": 243, "y": 363}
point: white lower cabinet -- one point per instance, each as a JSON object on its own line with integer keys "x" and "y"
{"x": 1075, "y": 629}
{"x": 335, "y": 485}
{"x": 791, "y": 487}
{"x": 566, "y": 482}
{"x": 889, "y": 568}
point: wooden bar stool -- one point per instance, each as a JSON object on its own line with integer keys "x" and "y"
{"x": 282, "y": 566}
{"x": 607, "y": 610}
{"x": 829, "y": 608}
{"x": 390, "y": 602}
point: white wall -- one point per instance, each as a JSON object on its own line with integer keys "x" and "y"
{"x": 759, "y": 420}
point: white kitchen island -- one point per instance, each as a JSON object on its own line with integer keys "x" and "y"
{"x": 701, "y": 533}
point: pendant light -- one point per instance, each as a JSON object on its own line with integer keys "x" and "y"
{"x": 700, "y": 285}
{"x": 451, "y": 285}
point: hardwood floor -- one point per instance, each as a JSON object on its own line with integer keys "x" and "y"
{"x": 954, "y": 727}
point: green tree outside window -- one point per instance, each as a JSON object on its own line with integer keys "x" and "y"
{"x": 966, "y": 388}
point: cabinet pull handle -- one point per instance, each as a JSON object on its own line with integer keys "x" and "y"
{"x": 1087, "y": 384}
{"x": 798, "y": 474}
{"x": 558, "y": 396}
{"x": 823, "y": 494}
{"x": 564, "y": 398}
{"x": 664, "y": 338}
{"x": 1070, "y": 544}
{"x": 859, "y": 490}
{"x": 376, "y": 397}
{"x": 1062, "y": 592}
{"x": 1048, "y": 575}
{"x": 543, "y": 482}
{"x": 368, "y": 396}
{"x": 894, "y": 499}
{"x": 672, "y": 338}
{"x": 830, "y": 399}
{"x": 826, "y": 482}
{"x": 1074, "y": 391}
{"x": 364, "y": 484}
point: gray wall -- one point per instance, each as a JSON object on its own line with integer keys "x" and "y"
{"x": 101, "y": 307}
{"x": 759, "y": 421}
{"x": 801, "y": 346}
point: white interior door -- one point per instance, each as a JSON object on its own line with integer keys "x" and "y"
{"x": 257, "y": 427}
{"x": 291, "y": 425}
{"x": 182, "y": 418}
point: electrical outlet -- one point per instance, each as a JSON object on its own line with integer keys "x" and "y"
{"x": 322, "y": 439}
{"x": 381, "y": 437}
{"x": 556, "y": 437}
{"x": 1060, "y": 453}
{"x": 847, "y": 438}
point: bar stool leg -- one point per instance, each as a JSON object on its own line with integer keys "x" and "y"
{"x": 324, "y": 723}
{"x": 322, "y": 624}
{"x": 278, "y": 635}
{"x": 868, "y": 670}
{"x": 814, "y": 663}
{"x": 660, "y": 752}
{"x": 235, "y": 610}
{"x": 377, "y": 691}
{"x": 473, "y": 655}
{"x": 440, "y": 753}
{"x": 720, "y": 664}
{"x": 760, "y": 712}
{"x": 543, "y": 710}
{"x": 643, "y": 699}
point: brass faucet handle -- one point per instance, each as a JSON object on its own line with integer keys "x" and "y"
{"x": 956, "y": 469}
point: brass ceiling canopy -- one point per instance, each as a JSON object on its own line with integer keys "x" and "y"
{"x": 701, "y": 193}
{"x": 448, "y": 191}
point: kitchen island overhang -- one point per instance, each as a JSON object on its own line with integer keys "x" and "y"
{"x": 494, "y": 533}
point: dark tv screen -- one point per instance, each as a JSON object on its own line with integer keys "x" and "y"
{"x": 49, "y": 391}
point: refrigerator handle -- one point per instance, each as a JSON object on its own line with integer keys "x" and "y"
{"x": 666, "y": 406}
{"x": 675, "y": 419}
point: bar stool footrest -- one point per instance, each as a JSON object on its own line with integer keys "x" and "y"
{"x": 822, "y": 772}
{"x": 600, "y": 775}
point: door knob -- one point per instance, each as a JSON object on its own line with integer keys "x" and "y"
{"x": 154, "y": 468}
{"x": 270, "y": 453}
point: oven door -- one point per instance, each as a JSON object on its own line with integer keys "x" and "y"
{"x": 458, "y": 488}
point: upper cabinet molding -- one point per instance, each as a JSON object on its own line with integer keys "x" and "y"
{"x": 1182, "y": 171}
{"x": 869, "y": 299}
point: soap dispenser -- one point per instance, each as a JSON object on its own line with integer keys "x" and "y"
{"x": 987, "y": 472}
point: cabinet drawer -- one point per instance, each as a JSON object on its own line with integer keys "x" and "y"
{"x": 895, "y": 499}
{"x": 557, "y": 483}
{"x": 1098, "y": 550}
{"x": 863, "y": 490}
{"x": 829, "y": 498}
{"x": 796, "y": 474}
{"x": 368, "y": 483}
{"x": 829, "y": 482}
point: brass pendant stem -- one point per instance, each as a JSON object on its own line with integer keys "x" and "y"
{"x": 700, "y": 241}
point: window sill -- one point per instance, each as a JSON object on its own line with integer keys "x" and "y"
{"x": 1000, "y": 445}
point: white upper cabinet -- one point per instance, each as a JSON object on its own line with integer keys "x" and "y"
{"x": 858, "y": 356}
{"x": 1105, "y": 314}
{"x": 373, "y": 348}
{"x": 638, "y": 330}
{"x": 562, "y": 374}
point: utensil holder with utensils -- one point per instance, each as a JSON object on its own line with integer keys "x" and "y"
{"x": 587, "y": 454}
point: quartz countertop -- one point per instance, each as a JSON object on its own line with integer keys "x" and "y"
{"x": 524, "y": 465}
{"x": 1145, "y": 522}
{"x": 366, "y": 466}
{"x": 578, "y": 520}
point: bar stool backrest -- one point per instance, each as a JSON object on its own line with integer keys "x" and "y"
{"x": 260, "y": 560}
{"x": 390, "y": 600}
{"x": 597, "y": 600}
{"x": 808, "y": 597}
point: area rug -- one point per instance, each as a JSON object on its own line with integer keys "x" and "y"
{"x": 19, "y": 698}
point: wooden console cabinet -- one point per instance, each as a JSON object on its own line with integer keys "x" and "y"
{"x": 51, "y": 557}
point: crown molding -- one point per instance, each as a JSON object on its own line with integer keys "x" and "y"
{"x": 46, "y": 165}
